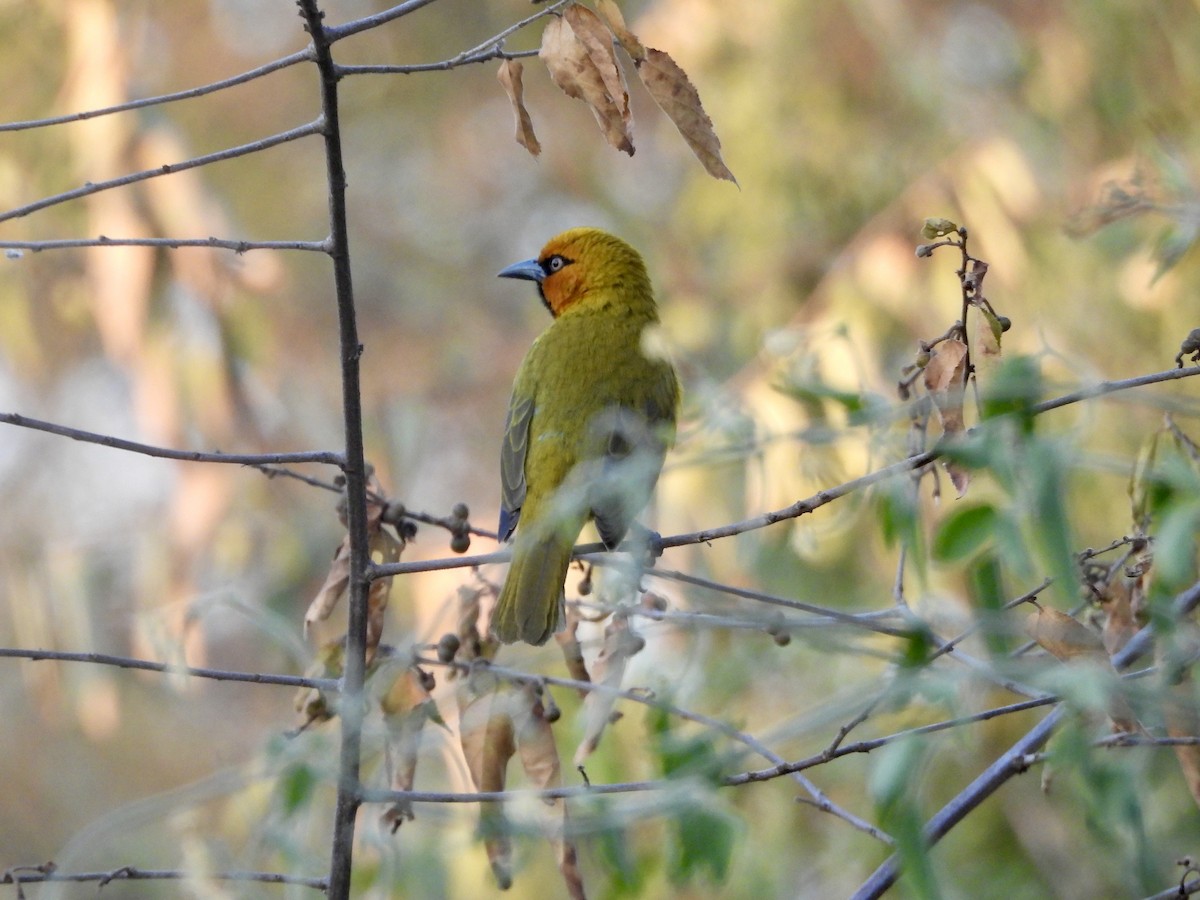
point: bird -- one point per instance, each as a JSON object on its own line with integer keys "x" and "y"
{"x": 591, "y": 418}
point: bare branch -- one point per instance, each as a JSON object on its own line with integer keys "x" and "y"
{"x": 230, "y": 153}
{"x": 127, "y": 662}
{"x": 334, "y": 33}
{"x": 236, "y": 246}
{"x": 105, "y": 440}
{"x": 267, "y": 69}
{"x": 19, "y": 875}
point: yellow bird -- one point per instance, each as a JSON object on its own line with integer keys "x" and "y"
{"x": 591, "y": 418}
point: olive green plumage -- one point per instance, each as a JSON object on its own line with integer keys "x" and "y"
{"x": 591, "y": 418}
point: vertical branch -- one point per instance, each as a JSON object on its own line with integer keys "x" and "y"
{"x": 350, "y": 708}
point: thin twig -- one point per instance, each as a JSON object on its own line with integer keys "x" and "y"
{"x": 237, "y": 246}
{"x": 266, "y": 69}
{"x": 129, "y": 662}
{"x": 274, "y": 140}
{"x": 354, "y": 468}
{"x": 42, "y": 873}
{"x": 107, "y": 440}
{"x": 453, "y": 63}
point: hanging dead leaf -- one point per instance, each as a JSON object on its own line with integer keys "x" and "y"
{"x": 406, "y": 707}
{"x": 578, "y": 74}
{"x": 486, "y": 736}
{"x": 315, "y": 706}
{"x": 1070, "y": 641}
{"x": 509, "y": 75}
{"x": 988, "y": 330}
{"x": 627, "y": 39}
{"x": 568, "y": 640}
{"x": 945, "y": 379}
{"x": 383, "y": 546}
{"x": 591, "y": 31}
{"x": 337, "y": 580}
{"x": 1182, "y": 714}
{"x": 620, "y": 643}
{"x": 1114, "y": 600}
{"x": 1062, "y": 636}
{"x": 675, "y": 95}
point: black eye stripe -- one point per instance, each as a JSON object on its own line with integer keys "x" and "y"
{"x": 555, "y": 263}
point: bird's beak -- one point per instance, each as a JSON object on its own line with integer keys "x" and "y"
{"x": 528, "y": 270}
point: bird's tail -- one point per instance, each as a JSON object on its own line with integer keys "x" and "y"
{"x": 529, "y": 604}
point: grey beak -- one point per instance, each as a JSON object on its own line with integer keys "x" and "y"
{"x": 527, "y": 270}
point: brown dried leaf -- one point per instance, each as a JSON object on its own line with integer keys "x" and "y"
{"x": 568, "y": 640}
{"x": 628, "y": 40}
{"x": 945, "y": 378}
{"x": 1068, "y": 640}
{"x": 509, "y": 75}
{"x": 620, "y": 643}
{"x": 383, "y": 546}
{"x": 1062, "y": 636}
{"x": 1119, "y": 625}
{"x": 314, "y": 705}
{"x": 334, "y": 588}
{"x": 578, "y": 74}
{"x": 675, "y": 95}
{"x": 406, "y": 706}
{"x": 988, "y": 332}
{"x": 486, "y": 735}
{"x": 591, "y": 31}
{"x": 1182, "y": 714}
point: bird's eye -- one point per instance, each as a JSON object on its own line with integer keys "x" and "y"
{"x": 554, "y": 263}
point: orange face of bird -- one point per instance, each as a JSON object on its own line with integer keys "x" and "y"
{"x": 576, "y": 263}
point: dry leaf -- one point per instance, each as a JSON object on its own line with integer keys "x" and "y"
{"x": 1062, "y": 636}
{"x": 509, "y": 76}
{"x": 568, "y": 640}
{"x": 620, "y": 643}
{"x": 945, "y": 378}
{"x": 486, "y": 735}
{"x": 334, "y": 588}
{"x": 988, "y": 332}
{"x": 316, "y": 706}
{"x": 1183, "y": 720}
{"x": 384, "y": 546}
{"x": 616, "y": 22}
{"x": 591, "y": 31}
{"x": 675, "y": 95}
{"x": 1068, "y": 640}
{"x": 577, "y": 73}
{"x": 406, "y": 707}
{"x": 1114, "y": 600}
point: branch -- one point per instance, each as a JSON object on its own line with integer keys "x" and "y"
{"x": 1013, "y": 761}
{"x": 453, "y": 63}
{"x": 492, "y": 48}
{"x": 334, "y": 33}
{"x": 244, "y": 77}
{"x": 354, "y": 464}
{"x": 230, "y": 153}
{"x": 105, "y": 440}
{"x": 238, "y": 247}
{"x": 128, "y": 662}
{"x": 20, "y": 875}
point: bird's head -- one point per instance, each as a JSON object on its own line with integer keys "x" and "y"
{"x": 586, "y": 266}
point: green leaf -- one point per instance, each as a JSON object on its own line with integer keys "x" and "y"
{"x": 704, "y": 841}
{"x": 964, "y": 531}
{"x": 296, "y": 787}
{"x": 1016, "y": 386}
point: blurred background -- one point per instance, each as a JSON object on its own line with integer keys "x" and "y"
{"x": 1063, "y": 135}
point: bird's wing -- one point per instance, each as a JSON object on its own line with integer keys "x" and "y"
{"x": 512, "y": 463}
